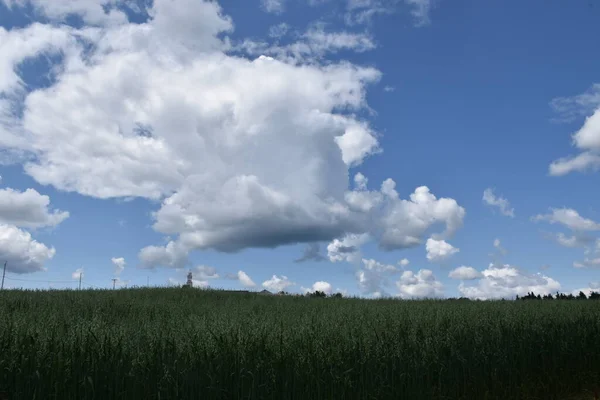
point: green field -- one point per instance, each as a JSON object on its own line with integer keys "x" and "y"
{"x": 192, "y": 344}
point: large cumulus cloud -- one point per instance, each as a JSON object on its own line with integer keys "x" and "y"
{"x": 239, "y": 151}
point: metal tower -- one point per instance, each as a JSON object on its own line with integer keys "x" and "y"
{"x": 189, "y": 279}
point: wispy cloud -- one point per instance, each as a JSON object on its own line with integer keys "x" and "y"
{"x": 496, "y": 201}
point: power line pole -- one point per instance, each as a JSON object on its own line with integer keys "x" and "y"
{"x": 147, "y": 281}
{"x": 114, "y": 282}
{"x": 80, "y": 280}
{"x": 3, "y": 274}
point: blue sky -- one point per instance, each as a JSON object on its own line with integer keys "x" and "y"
{"x": 227, "y": 138}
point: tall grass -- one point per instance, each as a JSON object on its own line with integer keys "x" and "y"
{"x": 190, "y": 344}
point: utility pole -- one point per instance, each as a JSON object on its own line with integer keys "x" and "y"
{"x": 147, "y": 281}
{"x": 3, "y": 274}
{"x": 114, "y": 282}
{"x": 81, "y": 273}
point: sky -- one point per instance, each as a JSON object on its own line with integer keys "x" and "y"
{"x": 396, "y": 148}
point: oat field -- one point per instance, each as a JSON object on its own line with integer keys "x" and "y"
{"x": 169, "y": 343}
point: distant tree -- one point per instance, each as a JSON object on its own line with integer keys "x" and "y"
{"x": 337, "y": 295}
{"x": 581, "y": 296}
{"x": 548, "y": 297}
{"x": 594, "y": 296}
{"x": 317, "y": 293}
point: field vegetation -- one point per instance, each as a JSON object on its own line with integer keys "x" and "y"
{"x": 198, "y": 344}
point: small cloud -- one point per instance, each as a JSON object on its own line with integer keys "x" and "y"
{"x": 501, "y": 203}
{"x": 588, "y": 263}
{"x": 465, "y": 273}
{"x": 574, "y": 241}
{"x": 507, "y": 281}
{"x": 278, "y": 31}
{"x": 243, "y": 278}
{"x": 499, "y": 247}
{"x": 373, "y": 277}
{"x": 420, "y": 11}
{"x": 404, "y": 262}
{"x": 423, "y": 284}
{"x": 571, "y": 108}
{"x": 568, "y": 218}
{"x": 347, "y": 248}
{"x": 273, "y": 6}
{"x": 389, "y": 89}
{"x": 439, "y": 250}
{"x": 320, "y": 286}
{"x": 277, "y": 283}
{"x": 119, "y": 264}
{"x": 205, "y": 272}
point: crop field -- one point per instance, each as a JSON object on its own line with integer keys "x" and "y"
{"x": 196, "y": 344}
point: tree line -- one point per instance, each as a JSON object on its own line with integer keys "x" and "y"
{"x": 560, "y": 296}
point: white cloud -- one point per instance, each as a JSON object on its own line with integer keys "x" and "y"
{"x": 593, "y": 287}
{"x": 506, "y": 281}
{"x": 277, "y": 284}
{"x": 389, "y": 89}
{"x": 465, "y": 273}
{"x": 420, "y": 11}
{"x": 119, "y": 264}
{"x": 346, "y": 249}
{"x": 93, "y": 12}
{"x": 363, "y": 11}
{"x": 20, "y": 45}
{"x": 205, "y": 272}
{"x": 173, "y": 255}
{"x": 373, "y": 277}
{"x": 373, "y": 265}
{"x": 569, "y": 218}
{"x": 243, "y": 278}
{"x": 405, "y": 222}
{"x": 439, "y": 250}
{"x": 320, "y": 286}
{"x": 22, "y": 253}
{"x": 77, "y": 274}
{"x": 570, "y": 108}
{"x": 423, "y": 284}
{"x": 310, "y": 46}
{"x": 586, "y": 139}
{"x": 256, "y": 156}
{"x": 586, "y": 291}
{"x": 586, "y": 161}
{"x": 588, "y": 263}
{"x": 199, "y": 283}
{"x": 404, "y": 262}
{"x": 360, "y": 182}
{"x": 573, "y": 241}
{"x": 279, "y": 30}
{"x": 501, "y": 203}
{"x": 498, "y": 246}
{"x": 28, "y": 209}
{"x": 273, "y": 6}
